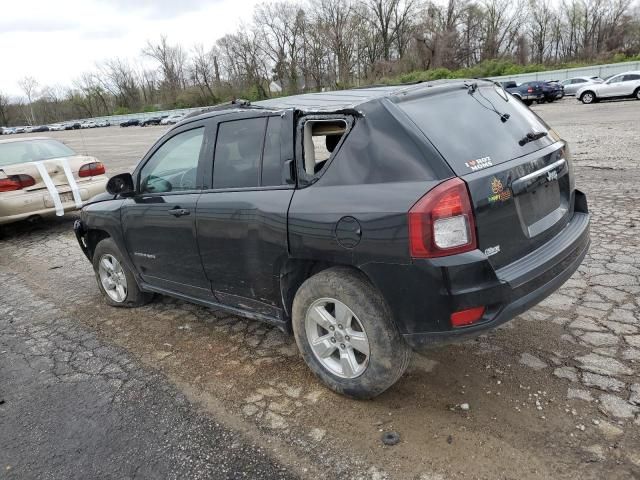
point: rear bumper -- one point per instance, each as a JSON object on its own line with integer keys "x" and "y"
{"x": 431, "y": 290}
{"x": 22, "y": 204}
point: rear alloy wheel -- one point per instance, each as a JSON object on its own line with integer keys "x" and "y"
{"x": 636, "y": 94}
{"x": 337, "y": 338}
{"x": 587, "y": 98}
{"x": 344, "y": 330}
{"x": 115, "y": 280}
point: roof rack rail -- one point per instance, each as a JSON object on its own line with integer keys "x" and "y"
{"x": 235, "y": 103}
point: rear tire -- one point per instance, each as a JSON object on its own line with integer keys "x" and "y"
{"x": 636, "y": 94}
{"x": 345, "y": 333}
{"x": 115, "y": 280}
{"x": 528, "y": 103}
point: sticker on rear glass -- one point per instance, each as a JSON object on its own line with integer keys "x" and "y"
{"x": 500, "y": 193}
{"x": 479, "y": 164}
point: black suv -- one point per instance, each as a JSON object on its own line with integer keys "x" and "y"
{"x": 368, "y": 222}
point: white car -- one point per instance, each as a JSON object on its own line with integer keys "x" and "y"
{"x": 40, "y": 177}
{"x": 56, "y": 127}
{"x": 173, "y": 119}
{"x": 619, "y": 86}
{"x": 572, "y": 85}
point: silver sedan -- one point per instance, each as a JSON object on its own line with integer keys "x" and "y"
{"x": 571, "y": 85}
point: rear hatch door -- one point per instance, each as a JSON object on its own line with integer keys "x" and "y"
{"x": 517, "y": 169}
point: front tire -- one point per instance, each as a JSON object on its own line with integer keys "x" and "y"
{"x": 345, "y": 333}
{"x": 115, "y": 280}
{"x": 588, "y": 97}
{"x": 636, "y": 94}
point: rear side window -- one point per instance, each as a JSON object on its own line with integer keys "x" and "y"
{"x": 631, "y": 77}
{"x": 238, "y": 152}
{"x": 468, "y": 132}
{"x": 271, "y": 157}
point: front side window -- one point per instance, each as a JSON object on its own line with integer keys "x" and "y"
{"x": 578, "y": 80}
{"x": 173, "y": 167}
{"x": 615, "y": 79}
{"x": 238, "y": 152}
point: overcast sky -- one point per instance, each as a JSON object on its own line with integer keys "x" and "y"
{"x": 55, "y": 41}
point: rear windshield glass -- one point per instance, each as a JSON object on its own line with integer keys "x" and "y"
{"x": 468, "y": 132}
{"x": 32, "y": 151}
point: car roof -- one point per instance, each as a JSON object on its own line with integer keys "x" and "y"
{"x": 327, "y": 102}
{"x": 24, "y": 139}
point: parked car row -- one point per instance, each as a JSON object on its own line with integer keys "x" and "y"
{"x": 586, "y": 89}
{"x": 157, "y": 120}
{"x": 54, "y": 127}
{"x": 535, "y": 91}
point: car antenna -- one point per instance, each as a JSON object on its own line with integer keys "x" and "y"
{"x": 472, "y": 88}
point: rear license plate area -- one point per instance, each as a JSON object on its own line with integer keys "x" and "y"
{"x": 542, "y": 208}
{"x": 65, "y": 197}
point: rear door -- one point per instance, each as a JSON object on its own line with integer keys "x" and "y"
{"x": 631, "y": 81}
{"x": 242, "y": 217}
{"x": 516, "y": 168}
{"x": 159, "y": 222}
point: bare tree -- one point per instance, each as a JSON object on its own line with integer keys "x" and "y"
{"x": 29, "y": 86}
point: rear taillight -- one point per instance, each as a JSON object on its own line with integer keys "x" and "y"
{"x": 16, "y": 182}
{"x": 441, "y": 223}
{"x": 91, "y": 169}
{"x": 530, "y": 90}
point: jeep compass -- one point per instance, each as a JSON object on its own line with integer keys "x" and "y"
{"x": 367, "y": 222}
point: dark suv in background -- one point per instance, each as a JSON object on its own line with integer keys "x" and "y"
{"x": 369, "y": 222}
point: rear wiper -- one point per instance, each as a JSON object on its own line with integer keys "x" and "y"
{"x": 532, "y": 136}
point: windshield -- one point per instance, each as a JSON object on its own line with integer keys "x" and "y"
{"x": 467, "y": 128}
{"x": 32, "y": 151}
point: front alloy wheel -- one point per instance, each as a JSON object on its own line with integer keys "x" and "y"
{"x": 337, "y": 338}
{"x": 112, "y": 278}
{"x": 587, "y": 98}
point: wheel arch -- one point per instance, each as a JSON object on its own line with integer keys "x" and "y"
{"x": 95, "y": 236}
{"x": 295, "y": 272}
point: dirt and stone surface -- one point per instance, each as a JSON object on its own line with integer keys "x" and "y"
{"x": 553, "y": 394}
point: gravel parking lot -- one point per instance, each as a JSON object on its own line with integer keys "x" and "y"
{"x": 553, "y": 394}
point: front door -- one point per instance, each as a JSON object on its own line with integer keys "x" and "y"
{"x": 242, "y": 219}
{"x": 159, "y": 222}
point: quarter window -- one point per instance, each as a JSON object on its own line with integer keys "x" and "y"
{"x": 238, "y": 152}
{"x": 321, "y": 137}
{"x": 173, "y": 167}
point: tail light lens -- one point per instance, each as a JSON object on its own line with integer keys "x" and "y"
{"x": 16, "y": 182}
{"x": 530, "y": 89}
{"x": 92, "y": 169}
{"x": 441, "y": 223}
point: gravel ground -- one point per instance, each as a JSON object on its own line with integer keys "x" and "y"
{"x": 553, "y": 394}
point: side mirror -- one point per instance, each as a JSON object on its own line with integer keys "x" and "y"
{"x": 120, "y": 184}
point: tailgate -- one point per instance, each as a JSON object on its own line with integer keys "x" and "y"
{"x": 517, "y": 169}
{"x": 521, "y": 204}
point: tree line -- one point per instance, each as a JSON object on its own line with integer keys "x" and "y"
{"x": 298, "y": 46}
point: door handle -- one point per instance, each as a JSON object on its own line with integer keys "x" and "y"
{"x": 179, "y": 212}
